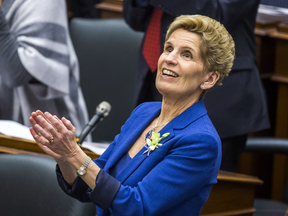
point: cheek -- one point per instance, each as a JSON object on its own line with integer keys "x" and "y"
{"x": 161, "y": 57}
{"x": 194, "y": 78}
{"x": 160, "y": 63}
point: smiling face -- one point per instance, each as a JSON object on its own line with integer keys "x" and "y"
{"x": 180, "y": 71}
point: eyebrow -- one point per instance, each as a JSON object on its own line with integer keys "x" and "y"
{"x": 189, "y": 48}
{"x": 185, "y": 47}
{"x": 167, "y": 42}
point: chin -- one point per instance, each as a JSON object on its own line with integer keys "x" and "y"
{"x": 164, "y": 91}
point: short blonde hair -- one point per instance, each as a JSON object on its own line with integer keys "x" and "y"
{"x": 217, "y": 46}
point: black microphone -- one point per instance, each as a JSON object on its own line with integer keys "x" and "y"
{"x": 102, "y": 111}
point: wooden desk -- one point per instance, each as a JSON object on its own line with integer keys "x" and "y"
{"x": 14, "y": 145}
{"x": 111, "y": 8}
{"x": 232, "y": 195}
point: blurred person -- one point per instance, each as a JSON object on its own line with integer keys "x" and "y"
{"x": 83, "y": 8}
{"x": 275, "y": 3}
{"x": 38, "y": 65}
{"x": 239, "y": 106}
{"x": 167, "y": 156}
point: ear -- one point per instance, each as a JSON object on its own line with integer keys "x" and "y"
{"x": 210, "y": 79}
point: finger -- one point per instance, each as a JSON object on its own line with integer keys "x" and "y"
{"x": 46, "y": 134}
{"x": 48, "y": 151}
{"x": 33, "y": 127}
{"x": 37, "y": 137}
{"x": 58, "y": 119}
{"x": 55, "y": 122}
{"x": 68, "y": 124}
{"x": 34, "y": 116}
{"x": 43, "y": 144}
{"x": 33, "y": 132}
{"x": 39, "y": 112}
{"x": 42, "y": 114}
{"x": 32, "y": 121}
{"x": 44, "y": 127}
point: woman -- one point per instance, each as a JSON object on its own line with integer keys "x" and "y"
{"x": 174, "y": 172}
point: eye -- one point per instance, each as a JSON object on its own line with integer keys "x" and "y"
{"x": 168, "y": 49}
{"x": 187, "y": 55}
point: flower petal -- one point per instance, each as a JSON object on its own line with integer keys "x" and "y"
{"x": 165, "y": 135}
{"x": 148, "y": 141}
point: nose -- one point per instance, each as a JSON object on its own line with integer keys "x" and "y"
{"x": 171, "y": 58}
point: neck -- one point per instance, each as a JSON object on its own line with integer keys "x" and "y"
{"x": 171, "y": 109}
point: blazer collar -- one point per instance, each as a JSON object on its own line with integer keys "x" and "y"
{"x": 190, "y": 115}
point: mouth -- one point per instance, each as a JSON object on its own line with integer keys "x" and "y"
{"x": 169, "y": 73}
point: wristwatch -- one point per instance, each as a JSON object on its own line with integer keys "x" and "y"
{"x": 82, "y": 170}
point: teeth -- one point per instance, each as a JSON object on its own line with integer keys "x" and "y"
{"x": 169, "y": 73}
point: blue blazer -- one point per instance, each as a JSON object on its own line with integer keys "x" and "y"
{"x": 175, "y": 179}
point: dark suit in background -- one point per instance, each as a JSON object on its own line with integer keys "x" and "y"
{"x": 239, "y": 106}
{"x": 83, "y": 8}
{"x": 276, "y": 3}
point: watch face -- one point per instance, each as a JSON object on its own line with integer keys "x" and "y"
{"x": 81, "y": 170}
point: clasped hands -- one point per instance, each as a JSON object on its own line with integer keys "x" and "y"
{"x": 54, "y": 136}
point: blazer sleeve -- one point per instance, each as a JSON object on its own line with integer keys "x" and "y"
{"x": 80, "y": 190}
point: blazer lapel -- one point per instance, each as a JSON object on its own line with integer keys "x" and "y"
{"x": 130, "y": 137}
{"x": 140, "y": 157}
